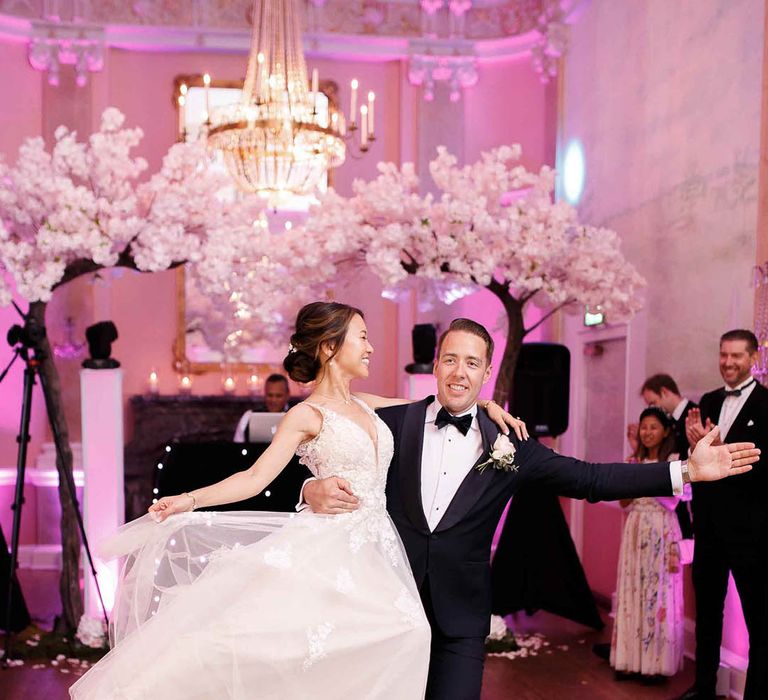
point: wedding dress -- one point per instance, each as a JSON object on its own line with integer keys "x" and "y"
{"x": 249, "y": 605}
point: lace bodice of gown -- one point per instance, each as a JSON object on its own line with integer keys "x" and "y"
{"x": 344, "y": 448}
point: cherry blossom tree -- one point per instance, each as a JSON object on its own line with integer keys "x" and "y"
{"x": 494, "y": 225}
{"x": 81, "y": 208}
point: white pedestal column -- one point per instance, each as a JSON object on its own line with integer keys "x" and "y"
{"x": 101, "y": 396}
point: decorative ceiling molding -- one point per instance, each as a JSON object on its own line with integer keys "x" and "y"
{"x": 441, "y": 39}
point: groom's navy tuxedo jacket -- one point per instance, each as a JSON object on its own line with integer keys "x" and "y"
{"x": 454, "y": 559}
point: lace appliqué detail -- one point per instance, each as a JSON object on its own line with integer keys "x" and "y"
{"x": 316, "y": 637}
{"x": 374, "y": 527}
{"x": 410, "y": 609}
{"x": 279, "y": 557}
{"x": 344, "y": 582}
{"x": 343, "y": 448}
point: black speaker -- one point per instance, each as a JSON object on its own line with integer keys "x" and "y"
{"x": 541, "y": 390}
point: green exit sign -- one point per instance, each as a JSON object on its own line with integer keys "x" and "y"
{"x": 593, "y": 318}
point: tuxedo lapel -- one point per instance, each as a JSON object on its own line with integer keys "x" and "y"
{"x": 475, "y": 483}
{"x": 411, "y": 448}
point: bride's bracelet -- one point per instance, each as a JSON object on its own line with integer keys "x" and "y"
{"x": 194, "y": 500}
{"x": 485, "y": 403}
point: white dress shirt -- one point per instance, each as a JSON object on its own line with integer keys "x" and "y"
{"x": 447, "y": 458}
{"x": 679, "y": 409}
{"x": 732, "y": 405}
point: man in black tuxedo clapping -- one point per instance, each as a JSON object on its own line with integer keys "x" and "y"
{"x": 730, "y": 521}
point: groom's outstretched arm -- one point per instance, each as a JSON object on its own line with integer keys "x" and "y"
{"x": 607, "y": 482}
{"x": 594, "y": 482}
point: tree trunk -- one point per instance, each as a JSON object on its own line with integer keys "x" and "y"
{"x": 69, "y": 583}
{"x": 502, "y": 391}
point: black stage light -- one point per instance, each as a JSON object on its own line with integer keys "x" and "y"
{"x": 424, "y": 339}
{"x": 100, "y": 337}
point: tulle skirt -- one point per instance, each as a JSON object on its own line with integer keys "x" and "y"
{"x": 262, "y": 605}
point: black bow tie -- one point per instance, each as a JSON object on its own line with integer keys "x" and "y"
{"x": 737, "y": 392}
{"x": 462, "y": 423}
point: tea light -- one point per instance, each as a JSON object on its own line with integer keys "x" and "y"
{"x": 153, "y": 384}
{"x": 185, "y": 384}
{"x": 229, "y": 385}
{"x": 253, "y": 384}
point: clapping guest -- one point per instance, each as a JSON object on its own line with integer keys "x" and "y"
{"x": 731, "y": 522}
{"x": 647, "y": 638}
{"x": 662, "y": 391}
{"x": 276, "y": 397}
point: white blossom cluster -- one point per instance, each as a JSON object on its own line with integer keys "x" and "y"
{"x": 494, "y": 220}
{"x": 83, "y": 206}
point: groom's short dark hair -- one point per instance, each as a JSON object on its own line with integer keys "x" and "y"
{"x": 469, "y": 326}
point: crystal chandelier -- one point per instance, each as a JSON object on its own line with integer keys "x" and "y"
{"x": 276, "y": 140}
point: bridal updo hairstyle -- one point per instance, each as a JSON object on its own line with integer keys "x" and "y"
{"x": 317, "y": 324}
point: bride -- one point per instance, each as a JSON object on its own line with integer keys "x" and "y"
{"x": 277, "y": 605}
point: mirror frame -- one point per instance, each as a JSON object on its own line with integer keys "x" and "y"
{"x": 181, "y": 363}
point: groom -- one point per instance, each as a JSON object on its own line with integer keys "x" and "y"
{"x": 446, "y": 510}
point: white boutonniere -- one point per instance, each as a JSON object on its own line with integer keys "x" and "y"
{"x": 502, "y": 456}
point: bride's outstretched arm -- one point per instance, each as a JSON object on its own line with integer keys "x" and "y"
{"x": 495, "y": 412}
{"x": 300, "y": 423}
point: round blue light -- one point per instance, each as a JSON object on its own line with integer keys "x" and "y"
{"x": 574, "y": 172}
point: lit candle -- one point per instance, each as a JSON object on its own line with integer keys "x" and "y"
{"x": 229, "y": 385}
{"x": 152, "y": 384}
{"x": 371, "y": 99}
{"x": 315, "y": 80}
{"x": 207, "y": 84}
{"x": 253, "y": 384}
{"x": 315, "y": 88}
{"x": 185, "y": 384}
{"x": 353, "y": 103}
{"x": 363, "y": 127}
{"x": 182, "y": 117}
{"x": 259, "y": 69}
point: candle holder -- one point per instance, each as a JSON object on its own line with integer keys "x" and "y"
{"x": 254, "y": 384}
{"x": 228, "y": 385}
{"x": 153, "y": 383}
{"x": 185, "y": 385}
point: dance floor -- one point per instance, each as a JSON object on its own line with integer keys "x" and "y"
{"x": 566, "y": 668}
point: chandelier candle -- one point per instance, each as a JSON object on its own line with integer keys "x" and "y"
{"x": 182, "y": 117}
{"x": 371, "y": 99}
{"x": 363, "y": 128}
{"x": 207, "y": 84}
{"x": 353, "y": 104}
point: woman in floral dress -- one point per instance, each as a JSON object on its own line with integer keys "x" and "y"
{"x": 648, "y": 632}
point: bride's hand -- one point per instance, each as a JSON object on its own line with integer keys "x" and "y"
{"x": 168, "y": 505}
{"x": 503, "y": 419}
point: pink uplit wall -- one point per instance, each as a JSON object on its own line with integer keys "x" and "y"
{"x": 665, "y": 99}
{"x": 25, "y": 86}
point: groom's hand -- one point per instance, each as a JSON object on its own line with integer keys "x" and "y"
{"x": 330, "y": 496}
{"x": 711, "y": 461}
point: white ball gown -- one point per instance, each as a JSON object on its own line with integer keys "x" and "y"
{"x": 270, "y": 605}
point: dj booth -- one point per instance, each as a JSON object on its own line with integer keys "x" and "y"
{"x": 190, "y": 466}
